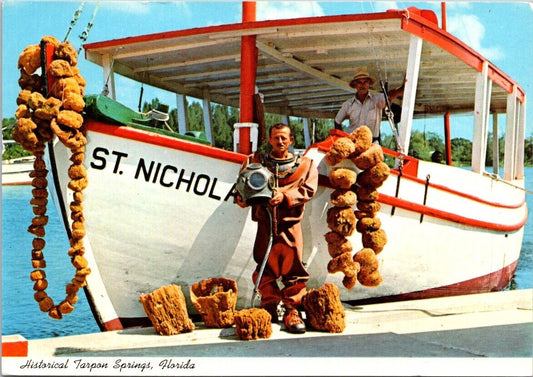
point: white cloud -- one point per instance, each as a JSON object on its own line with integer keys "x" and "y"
{"x": 458, "y": 5}
{"x": 135, "y": 7}
{"x": 470, "y": 30}
{"x": 382, "y": 6}
{"x": 270, "y": 10}
{"x": 144, "y": 7}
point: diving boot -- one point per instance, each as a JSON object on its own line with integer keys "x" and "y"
{"x": 292, "y": 321}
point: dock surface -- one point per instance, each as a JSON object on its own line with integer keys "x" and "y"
{"x": 494, "y": 327}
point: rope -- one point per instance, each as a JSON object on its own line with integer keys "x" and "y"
{"x": 496, "y": 178}
{"x": 74, "y": 19}
{"x": 157, "y": 115}
{"x": 85, "y": 33}
{"x": 371, "y": 41}
{"x": 105, "y": 89}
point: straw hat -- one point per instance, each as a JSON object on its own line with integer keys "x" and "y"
{"x": 361, "y": 73}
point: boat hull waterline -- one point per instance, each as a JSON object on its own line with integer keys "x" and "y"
{"x": 159, "y": 211}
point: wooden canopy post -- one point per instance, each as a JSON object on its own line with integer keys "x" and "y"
{"x": 248, "y": 75}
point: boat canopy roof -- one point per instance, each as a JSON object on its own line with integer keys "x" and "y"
{"x": 304, "y": 65}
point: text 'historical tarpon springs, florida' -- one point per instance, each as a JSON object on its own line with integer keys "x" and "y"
{"x": 166, "y": 175}
{"x": 113, "y": 365}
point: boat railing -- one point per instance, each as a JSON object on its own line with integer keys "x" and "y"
{"x": 103, "y": 108}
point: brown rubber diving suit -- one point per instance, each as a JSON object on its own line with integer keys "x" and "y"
{"x": 298, "y": 183}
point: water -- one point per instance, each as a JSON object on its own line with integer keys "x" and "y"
{"x": 21, "y": 314}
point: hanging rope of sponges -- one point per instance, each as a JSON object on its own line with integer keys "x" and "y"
{"x": 359, "y": 190}
{"x": 42, "y": 113}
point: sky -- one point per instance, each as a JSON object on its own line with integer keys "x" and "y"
{"x": 501, "y": 31}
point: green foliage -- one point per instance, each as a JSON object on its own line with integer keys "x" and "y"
{"x": 223, "y": 120}
{"x": 12, "y": 150}
{"x": 422, "y": 144}
{"x": 195, "y": 117}
{"x": 7, "y": 127}
{"x": 461, "y": 151}
{"x": 528, "y": 150}
{"x": 321, "y": 129}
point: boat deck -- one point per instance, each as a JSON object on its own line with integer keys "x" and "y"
{"x": 491, "y": 325}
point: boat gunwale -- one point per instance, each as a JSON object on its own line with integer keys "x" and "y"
{"x": 162, "y": 140}
{"x": 410, "y": 170}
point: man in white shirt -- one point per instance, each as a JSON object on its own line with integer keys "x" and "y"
{"x": 365, "y": 108}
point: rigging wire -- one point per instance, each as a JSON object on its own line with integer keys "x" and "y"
{"x": 85, "y": 33}
{"x": 105, "y": 89}
{"x": 74, "y": 20}
{"x": 384, "y": 88}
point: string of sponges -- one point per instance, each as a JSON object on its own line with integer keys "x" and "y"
{"x": 40, "y": 115}
{"x": 359, "y": 190}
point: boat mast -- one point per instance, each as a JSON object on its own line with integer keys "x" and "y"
{"x": 248, "y": 75}
{"x": 443, "y": 15}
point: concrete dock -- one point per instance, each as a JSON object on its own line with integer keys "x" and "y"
{"x": 494, "y": 328}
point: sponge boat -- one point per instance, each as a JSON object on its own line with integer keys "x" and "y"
{"x": 158, "y": 207}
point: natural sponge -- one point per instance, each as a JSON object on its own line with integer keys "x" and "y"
{"x": 375, "y": 176}
{"x": 369, "y": 158}
{"x": 167, "y": 310}
{"x": 368, "y": 274}
{"x": 324, "y": 309}
{"x": 343, "y": 263}
{"x": 340, "y": 150}
{"x": 343, "y": 198}
{"x": 337, "y": 244}
{"x": 366, "y": 194}
{"x": 362, "y": 139}
{"x": 375, "y": 240}
{"x": 215, "y": 300}
{"x": 253, "y": 324}
{"x": 342, "y": 178}
{"x": 30, "y": 59}
{"x": 341, "y": 220}
{"x": 368, "y": 224}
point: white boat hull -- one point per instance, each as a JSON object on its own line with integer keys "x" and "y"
{"x": 16, "y": 172}
{"x": 158, "y": 211}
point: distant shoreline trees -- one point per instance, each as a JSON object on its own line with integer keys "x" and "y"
{"x": 422, "y": 144}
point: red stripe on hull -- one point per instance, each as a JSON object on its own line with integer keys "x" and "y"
{"x": 448, "y": 216}
{"x": 436, "y": 213}
{"x": 164, "y": 141}
{"x": 114, "y": 324}
{"x": 410, "y": 171}
{"x": 493, "y": 282}
{"x": 459, "y": 193}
